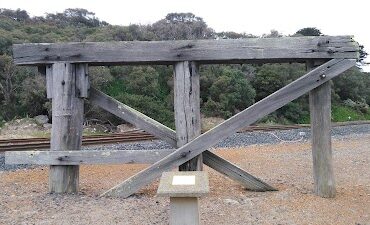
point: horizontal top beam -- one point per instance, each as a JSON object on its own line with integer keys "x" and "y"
{"x": 284, "y": 49}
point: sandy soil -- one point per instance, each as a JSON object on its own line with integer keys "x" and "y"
{"x": 24, "y": 198}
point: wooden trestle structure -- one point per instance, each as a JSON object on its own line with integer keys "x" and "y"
{"x": 66, "y": 68}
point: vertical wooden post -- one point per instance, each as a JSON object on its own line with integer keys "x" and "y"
{"x": 320, "y": 113}
{"x": 187, "y": 109}
{"x": 67, "y": 121}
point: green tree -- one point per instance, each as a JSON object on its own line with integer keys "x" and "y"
{"x": 309, "y": 31}
{"x": 149, "y": 106}
{"x": 22, "y": 90}
{"x": 354, "y": 85}
{"x": 270, "y": 78}
{"x": 17, "y": 15}
{"x": 75, "y": 17}
{"x": 100, "y": 76}
{"x": 8, "y": 86}
{"x": 272, "y": 34}
{"x": 143, "y": 81}
{"x": 181, "y": 26}
{"x": 233, "y": 35}
{"x": 32, "y": 98}
{"x": 228, "y": 91}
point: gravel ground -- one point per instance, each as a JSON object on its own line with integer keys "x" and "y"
{"x": 250, "y": 138}
{"x": 286, "y": 166}
{"x": 236, "y": 140}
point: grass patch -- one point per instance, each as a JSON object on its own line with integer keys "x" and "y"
{"x": 40, "y": 134}
{"x": 341, "y": 113}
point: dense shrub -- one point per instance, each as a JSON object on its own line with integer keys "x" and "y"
{"x": 225, "y": 91}
{"x": 149, "y": 106}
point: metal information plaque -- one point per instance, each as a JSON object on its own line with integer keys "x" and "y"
{"x": 183, "y": 180}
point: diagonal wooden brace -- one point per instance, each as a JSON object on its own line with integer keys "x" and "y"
{"x": 248, "y": 116}
{"x": 132, "y": 116}
{"x": 161, "y": 131}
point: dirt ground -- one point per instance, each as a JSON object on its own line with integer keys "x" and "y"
{"x": 24, "y": 198}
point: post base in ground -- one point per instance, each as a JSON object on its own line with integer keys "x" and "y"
{"x": 184, "y": 211}
{"x": 63, "y": 179}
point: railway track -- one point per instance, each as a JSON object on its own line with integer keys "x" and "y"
{"x": 134, "y": 136}
{"x": 44, "y": 143}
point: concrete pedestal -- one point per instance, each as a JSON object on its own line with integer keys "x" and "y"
{"x": 184, "y": 189}
{"x": 184, "y": 211}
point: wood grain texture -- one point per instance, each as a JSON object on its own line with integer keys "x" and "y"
{"x": 248, "y": 116}
{"x": 320, "y": 113}
{"x": 284, "y": 49}
{"x": 66, "y": 133}
{"x": 187, "y": 109}
{"x": 82, "y": 81}
{"x": 86, "y": 157}
{"x": 235, "y": 173}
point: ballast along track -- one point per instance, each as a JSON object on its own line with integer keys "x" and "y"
{"x": 135, "y": 136}
{"x": 41, "y": 143}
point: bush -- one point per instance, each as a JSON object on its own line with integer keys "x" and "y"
{"x": 358, "y": 106}
{"x": 143, "y": 81}
{"x": 225, "y": 91}
{"x": 149, "y": 106}
{"x": 341, "y": 113}
{"x": 294, "y": 112}
{"x": 100, "y": 77}
{"x": 354, "y": 85}
{"x": 33, "y": 96}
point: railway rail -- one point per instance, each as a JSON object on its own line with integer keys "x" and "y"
{"x": 44, "y": 143}
{"x": 134, "y": 136}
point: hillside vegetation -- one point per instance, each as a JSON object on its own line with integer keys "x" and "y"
{"x": 225, "y": 89}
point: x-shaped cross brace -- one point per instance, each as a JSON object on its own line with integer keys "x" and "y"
{"x": 200, "y": 144}
{"x": 161, "y": 131}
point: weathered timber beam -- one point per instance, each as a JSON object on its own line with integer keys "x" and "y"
{"x": 161, "y": 131}
{"x": 320, "y": 114}
{"x": 86, "y": 157}
{"x": 248, "y": 116}
{"x": 284, "y": 49}
{"x": 320, "y": 117}
{"x": 187, "y": 109}
{"x": 66, "y": 132}
{"x": 82, "y": 81}
{"x": 235, "y": 173}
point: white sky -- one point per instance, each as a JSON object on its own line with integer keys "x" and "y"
{"x": 332, "y": 17}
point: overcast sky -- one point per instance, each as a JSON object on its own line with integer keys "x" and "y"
{"x": 255, "y": 17}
